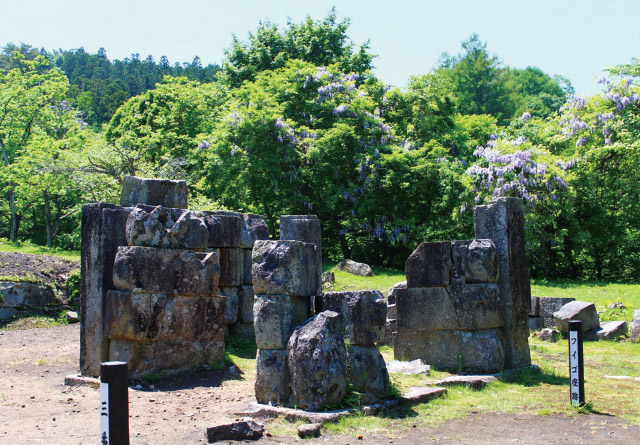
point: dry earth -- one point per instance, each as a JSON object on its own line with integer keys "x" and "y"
{"x": 36, "y": 407}
{"x": 44, "y": 268}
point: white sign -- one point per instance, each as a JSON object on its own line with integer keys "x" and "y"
{"x": 104, "y": 413}
{"x": 574, "y": 374}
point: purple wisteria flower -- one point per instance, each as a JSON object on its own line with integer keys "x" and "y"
{"x": 340, "y": 109}
{"x": 203, "y": 145}
{"x": 526, "y": 116}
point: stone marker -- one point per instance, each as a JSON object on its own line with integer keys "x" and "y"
{"x": 355, "y": 268}
{"x": 577, "y": 310}
{"x": 247, "y": 429}
{"x": 502, "y": 221}
{"x": 635, "y": 327}
{"x": 156, "y": 192}
{"x": 317, "y": 357}
{"x": 284, "y": 268}
{"x": 166, "y": 271}
{"x": 429, "y": 265}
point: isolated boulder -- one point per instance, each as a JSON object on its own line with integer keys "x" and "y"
{"x": 577, "y": 310}
{"x": 355, "y": 268}
{"x": 367, "y": 371}
{"x": 317, "y": 361}
{"x": 156, "y": 192}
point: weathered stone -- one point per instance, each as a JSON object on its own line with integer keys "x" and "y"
{"x": 165, "y": 356}
{"x": 79, "y": 380}
{"x": 355, "y": 268}
{"x": 440, "y": 349}
{"x": 245, "y": 304}
{"x": 502, "y": 221}
{"x": 22, "y": 295}
{"x": 72, "y": 317}
{"x": 242, "y": 329}
{"x": 577, "y": 310}
{"x": 474, "y": 261}
{"x": 144, "y": 317}
{"x": 391, "y": 295}
{"x": 254, "y": 227}
{"x": 535, "y": 306}
{"x": 247, "y": 260}
{"x": 548, "y": 334}
{"x": 275, "y": 317}
{"x": 364, "y": 312}
{"x": 231, "y": 311}
{"x": 635, "y": 327}
{"x": 305, "y": 228}
{"x": 536, "y": 323}
{"x": 156, "y": 192}
{"x": 419, "y": 394}
{"x": 367, "y": 371}
{"x": 6, "y": 313}
{"x": 103, "y": 230}
{"x": 391, "y": 312}
{"x": 426, "y": 309}
{"x": 474, "y": 382}
{"x": 166, "y": 228}
{"x": 272, "y": 377}
{"x": 165, "y": 271}
{"x": 241, "y": 430}
{"x": 414, "y": 367}
{"x": 225, "y": 228}
{"x": 309, "y": 430}
{"x": 608, "y": 330}
{"x": 429, "y": 265}
{"x": 477, "y": 306}
{"x": 549, "y": 305}
{"x": 231, "y": 266}
{"x": 284, "y": 267}
{"x": 482, "y": 351}
{"x": 317, "y": 358}
{"x": 389, "y": 329}
{"x": 328, "y": 278}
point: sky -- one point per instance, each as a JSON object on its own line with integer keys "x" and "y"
{"x": 576, "y": 39}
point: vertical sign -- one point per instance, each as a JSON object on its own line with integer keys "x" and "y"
{"x": 114, "y": 403}
{"x": 576, "y": 363}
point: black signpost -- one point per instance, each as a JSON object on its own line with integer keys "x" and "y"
{"x": 114, "y": 403}
{"x": 576, "y": 363}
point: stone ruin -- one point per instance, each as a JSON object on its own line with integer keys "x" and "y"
{"x": 160, "y": 283}
{"x": 466, "y": 303}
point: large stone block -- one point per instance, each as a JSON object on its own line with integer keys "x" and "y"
{"x": 284, "y": 267}
{"x": 165, "y": 356}
{"x": 474, "y": 261}
{"x": 577, "y": 310}
{"x": 272, "y": 377}
{"x": 535, "y": 306}
{"x": 391, "y": 295}
{"x": 152, "y": 317}
{"x": 247, "y": 261}
{"x": 164, "y": 271}
{"x": 440, "y": 349}
{"x": 429, "y": 265}
{"x": 608, "y": 330}
{"x": 156, "y": 192}
{"x": 317, "y": 361}
{"x": 426, "y": 309}
{"x": 477, "y": 306}
{"x": 245, "y": 304}
{"x": 103, "y": 230}
{"x": 166, "y": 228}
{"x": 275, "y": 317}
{"x": 635, "y": 327}
{"x": 225, "y": 228}
{"x": 502, "y": 221}
{"x": 231, "y": 312}
{"x": 305, "y": 228}
{"x": 254, "y": 227}
{"x": 482, "y": 351}
{"x": 355, "y": 268}
{"x": 364, "y": 314}
{"x": 367, "y": 371}
{"x": 22, "y": 295}
{"x": 549, "y": 305}
{"x": 231, "y": 266}
{"x": 536, "y": 323}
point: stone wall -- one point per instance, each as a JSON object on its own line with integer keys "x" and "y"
{"x": 160, "y": 285}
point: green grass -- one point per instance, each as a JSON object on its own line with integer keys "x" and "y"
{"x": 382, "y": 280}
{"x": 29, "y": 247}
{"x": 32, "y": 321}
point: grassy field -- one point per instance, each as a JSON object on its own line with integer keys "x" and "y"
{"x": 29, "y": 247}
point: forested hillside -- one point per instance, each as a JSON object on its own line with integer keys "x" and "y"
{"x": 295, "y": 121}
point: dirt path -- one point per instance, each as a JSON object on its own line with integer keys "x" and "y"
{"x": 35, "y": 406}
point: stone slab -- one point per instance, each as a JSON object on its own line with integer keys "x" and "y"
{"x": 414, "y": 367}
{"x": 477, "y": 306}
{"x": 22, "y": 295}
{"x": 535, "y": 306}
{"x": 236, "y": 431}
{"x": 79, "y": 380}
{"x": 157, "y": 192}
{"x": 254, "y": 227}
{"x": 225, "y": 228}
{"x": 425, "y": 309}
{"x": 429, "y": 265}
{"x": 635, "y": 327}
{"x": 577, "y": 310}
{"x": 439, "y": 349}
{"x": 608, "y": 330}
{"x": 475, "y": 382}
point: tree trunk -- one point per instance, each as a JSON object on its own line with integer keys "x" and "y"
{"x": 47, "y": 220}
{"x": 13, "y": 226}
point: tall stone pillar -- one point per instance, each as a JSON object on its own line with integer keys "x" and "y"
{"x": 503, "y": 222}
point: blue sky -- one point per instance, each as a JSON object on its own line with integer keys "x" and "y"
{"x": 573, "y": 38}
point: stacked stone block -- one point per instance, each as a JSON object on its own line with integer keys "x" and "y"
{"x": 542, "y": 309}
{"x": 449, "y": 315}
{"x": 284, "y": 275}
{"x": 364, "y": 315}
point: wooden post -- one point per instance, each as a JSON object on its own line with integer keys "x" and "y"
{"x": 114, "y": 403}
